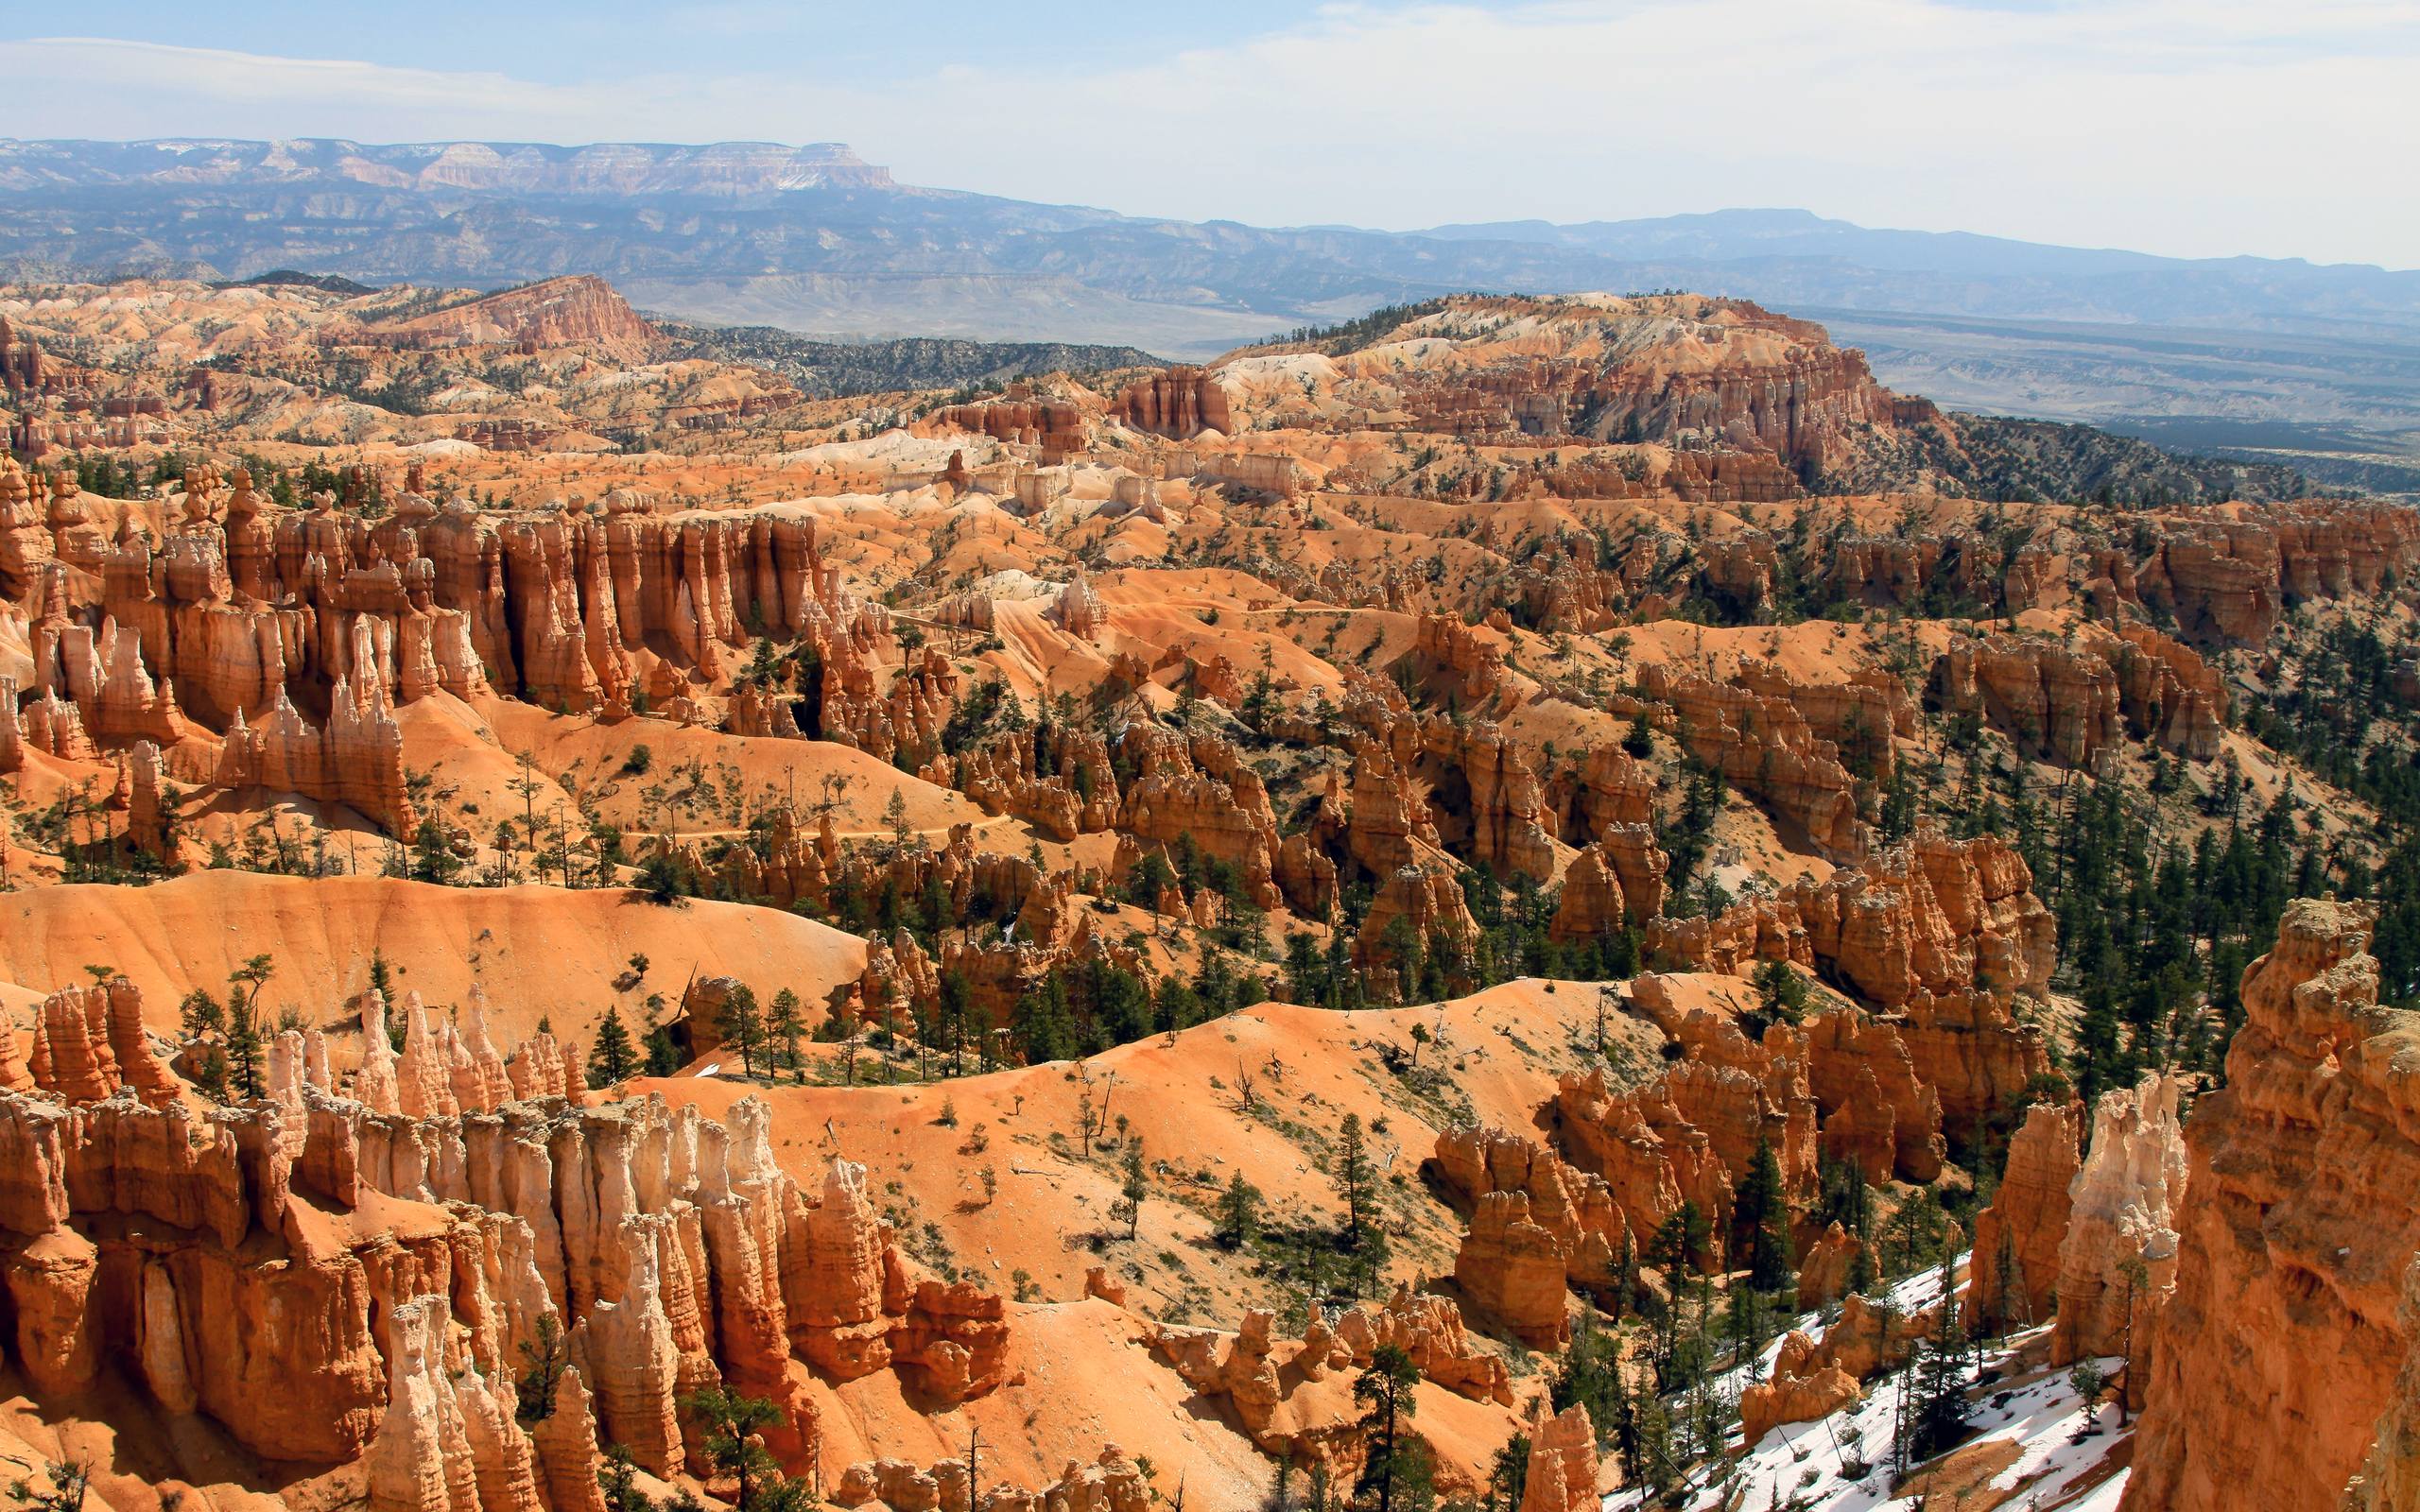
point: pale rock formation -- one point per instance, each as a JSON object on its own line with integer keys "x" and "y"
{"x": 2117, "y": 1264}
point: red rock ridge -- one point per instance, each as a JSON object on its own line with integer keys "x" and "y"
{"x": 2277, "y": 1354}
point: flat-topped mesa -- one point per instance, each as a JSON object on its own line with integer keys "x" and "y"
{"x": 674, "y": 1252}
{"x": 2276, "y": 1356}
{"x": 1700, "y": 375}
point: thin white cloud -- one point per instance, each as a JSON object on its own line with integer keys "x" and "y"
{"x": 2193, "y": 127}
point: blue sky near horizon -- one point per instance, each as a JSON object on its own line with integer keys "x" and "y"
{"x": 553, "y": 43}
{"x": 2189, "y": 127}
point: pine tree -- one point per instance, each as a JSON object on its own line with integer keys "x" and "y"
{"x": 663, "y": 1056}
{"x": 1940, "y": 1420}
{"x": 617, "y": 1477}
{"x": 245, "y": 1044}
{"x": 613, "y": 1057}
{"x": 732, "y": 1425}
{"x": 1626, "y": 1276}
{"x": 1137, "y": 1185}
{"x": 1760, "y": 1220}
{"x": 786, "y": 1028}
{"x": 1041, "y": 1022}
{"x": 1590, "y": 1375}
{"x": 1650, "y": 1435}
{"x": 1507, "y": 1474}
{"x": 1385, "y": 1392}
{"x": 1238, "y": 1212}
{"x": 741, "y": 1023}
{"x": 1353, "y": 1175}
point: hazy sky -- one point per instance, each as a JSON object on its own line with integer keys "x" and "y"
{"x": 2196, "y": 127}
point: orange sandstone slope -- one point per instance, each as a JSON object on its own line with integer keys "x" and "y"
{"x": 534, "y": 951}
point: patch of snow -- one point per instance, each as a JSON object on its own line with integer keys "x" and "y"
{"x": 2061, "y": 1445}
{"x": 715, "y": 1070}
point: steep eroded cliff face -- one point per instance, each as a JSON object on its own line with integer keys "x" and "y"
{"x": 2278, "y": 1352}
{"x": 331, "y": 1278}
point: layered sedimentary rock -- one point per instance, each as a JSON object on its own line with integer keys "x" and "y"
{"x": 2014, "y": 1282}
{"x": 2389, "y": 1482}
{"x": 567, "y": 609}
{"x": 89, "y": 1043}
{"x": 1617, "y": 879}
{"x": 355, "y": 758}
{"x": 2277, "y": 1353}
{"x": 675, "y": 1253}
{"x": 1200, "y": 790}
{"x": 1262, "y": 1377}
{"x": 1824, "y": 1272}
{"x": 447, "y": 1442}
{"x": 2227, "y": 574}
{"x": 1888, "y": 1118}
{"x": 1939, "y": 932}
{"x": 1419, "y": 913}
{"x": 1562, "y": 1462}
{"x": 1806, "y": 1398}
{"x": 1513, "y": 1268}
{"x": 1178, "y": 403}
{"x": 1113, "y": 1482}
{"x": 2117, "y": 1264}
{"x": 1648, "y": 1154}
{"x": 1576, "y": 1209}
{"x": 2069, "y": 701}
{"x": 1755, "y": 731}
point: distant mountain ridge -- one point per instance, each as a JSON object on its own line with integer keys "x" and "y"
{"x": 719, "y": 169}
{"x": 815, "y": 240}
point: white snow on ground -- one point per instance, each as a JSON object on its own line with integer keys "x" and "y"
{"x": 2060, "y": 1447}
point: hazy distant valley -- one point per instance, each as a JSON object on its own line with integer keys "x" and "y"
{"x": 2316, "y": 366}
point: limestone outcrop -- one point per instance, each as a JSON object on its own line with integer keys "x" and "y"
{"x": 1513, "y": 1268}
{"x": 1806, "y": 1398}
{"x": 2277, "y": 1354}
{"x": 387, "y": 1313}
{"x": 1563, "y": 1467}
{"x": 2014, "y": 1282}
{"x": 1264, "y": 1378}
{"x": 2117, "y": 1264}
